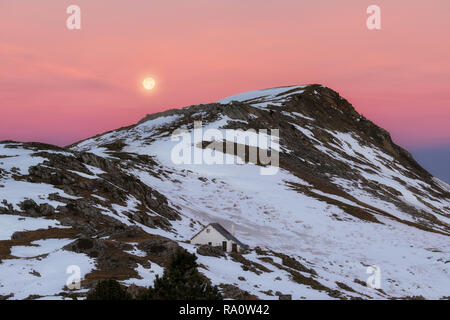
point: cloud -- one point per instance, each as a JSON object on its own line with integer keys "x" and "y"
{"x": 25, "y": 68}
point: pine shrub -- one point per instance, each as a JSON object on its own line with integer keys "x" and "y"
{"x": 108, "y": 290}
{"x": 182, "y": 281}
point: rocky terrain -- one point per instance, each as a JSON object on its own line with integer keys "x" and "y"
{"x": 116, "y": 205}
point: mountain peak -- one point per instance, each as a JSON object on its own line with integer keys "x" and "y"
{"x": 274, "y": 95}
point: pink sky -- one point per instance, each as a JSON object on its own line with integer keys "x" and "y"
{"x": 60, "y": 86}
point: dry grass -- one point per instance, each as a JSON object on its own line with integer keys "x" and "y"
{"x": 25, "y": 238}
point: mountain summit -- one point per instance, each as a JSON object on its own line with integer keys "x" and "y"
{"x": 344, "y": 200}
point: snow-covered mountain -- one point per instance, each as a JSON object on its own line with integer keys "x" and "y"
{"x": 344, "y": 198}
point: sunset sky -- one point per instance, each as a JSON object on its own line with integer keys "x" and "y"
{"x": 60, "y": 86}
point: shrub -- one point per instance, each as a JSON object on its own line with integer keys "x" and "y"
{"x": 108, "y": 290}
{"x": 182, "y": 281}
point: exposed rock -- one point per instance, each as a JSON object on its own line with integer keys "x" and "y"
{"x": 6, "y": 297}
{"x": 232, "y": 292}
{"x": 91, "y": 247}
{"x": 210, "y": 251}
{"x": 34, "y": 210}
{"x": 159, "y": 249}
{"x": 35, "y": 273}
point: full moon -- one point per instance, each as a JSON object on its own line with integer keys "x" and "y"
{"x": 148, "y": 83}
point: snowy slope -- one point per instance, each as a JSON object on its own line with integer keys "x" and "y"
{"x": 345, "y": 198}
